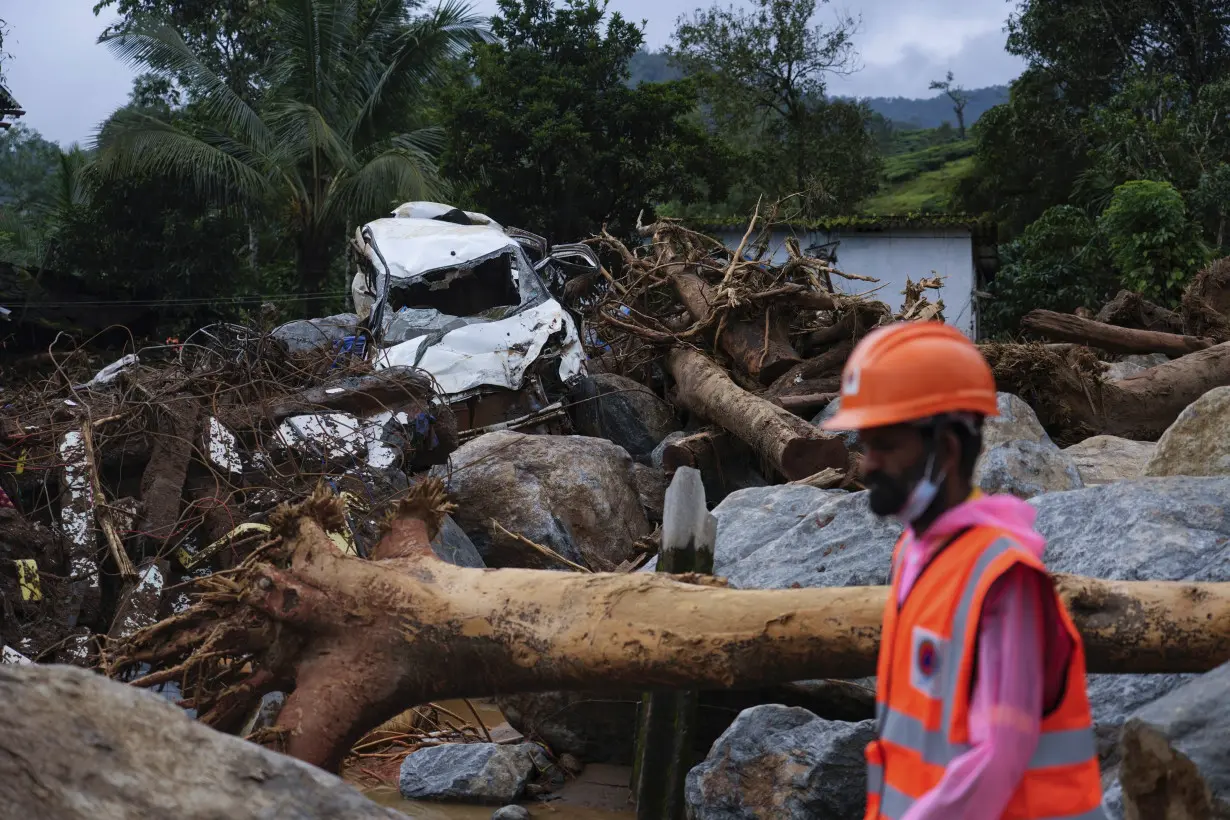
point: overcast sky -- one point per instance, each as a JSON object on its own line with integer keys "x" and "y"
{"x": 69, "y": 84}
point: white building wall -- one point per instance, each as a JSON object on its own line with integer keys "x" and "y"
{"x": 892, "y": 255}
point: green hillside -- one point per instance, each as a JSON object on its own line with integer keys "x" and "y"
{"x": 921, "y": 178}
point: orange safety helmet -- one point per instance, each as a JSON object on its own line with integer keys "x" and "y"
{"x": 911, "y": 371}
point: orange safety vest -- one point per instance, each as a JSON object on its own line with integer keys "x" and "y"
{"x": 926, "y": 660}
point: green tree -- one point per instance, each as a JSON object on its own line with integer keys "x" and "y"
{"x": 1058, "y": 263}
{"x": 233, "y": 38}
{"x": 1028, "y": 154}
{"x": 1153, "y": 243}
{"x": 763, "y": 73}
{"x": 337, "y": 136}
{"x": 552, "y": 135}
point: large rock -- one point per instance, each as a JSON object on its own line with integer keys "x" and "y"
{"x": 1026, "y": 469}
{"x": 1175, "y": 754}
{"x": 625, "y": 411}
{"x": 775, "y": 537}
{"x": 1161, "y": 528}
{"x": 78, "y": 746}
{"x": 1016, "y": 422}
{"x": 1130, "y": 366}
{"x": 1103, "y": 459}
{"x": 782, "y": 763}
{"x": 470, "y": 772}
{"x": 1198, "y": 442}
{"x": 574, "y": 494}
{"x": 830, "y": 410}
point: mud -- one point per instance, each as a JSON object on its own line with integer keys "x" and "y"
{"x": 598, "y": 793}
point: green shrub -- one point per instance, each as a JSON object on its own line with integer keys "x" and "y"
{"x": 1153, "y": 243}
{"x": 1058, "y": 263}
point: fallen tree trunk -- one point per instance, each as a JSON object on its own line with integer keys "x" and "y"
{"x": 1130, "y": 309}
{"x": 1073, "y": 403}
{"x": 360, "y": 641}
{"x": 761, "y": 350}
{"x": 1067, "y": 328}
{"x": 793, "y": 447}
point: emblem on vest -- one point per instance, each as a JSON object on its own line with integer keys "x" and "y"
{"x": 927, "y": 651}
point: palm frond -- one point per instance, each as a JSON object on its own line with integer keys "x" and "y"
{"x": 419, "y": 50}
{"x": 138, "y": 145}
{"x": 398, "y": 174}
{"x": 305, "y": 134}
{"x": 161, "y": 49}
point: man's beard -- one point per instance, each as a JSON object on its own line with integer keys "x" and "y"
{"x": 887, "y": 495}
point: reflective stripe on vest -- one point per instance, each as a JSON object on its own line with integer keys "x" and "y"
{"x": 1069, "y": 747}
{"x": 894, "y": 804}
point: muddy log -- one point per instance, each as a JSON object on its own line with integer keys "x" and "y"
{"x": 793, "y": 447}
{"x": 761, "y": 349}
{"x": 1073, "y": 403}
{"x": 1067, "y": 328}
{"x": 360, "y": 641}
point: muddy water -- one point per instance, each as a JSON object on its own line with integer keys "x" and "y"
{"x": 599, "y": 793}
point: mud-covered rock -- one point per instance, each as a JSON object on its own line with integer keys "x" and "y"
{"x": 575, "y": 494}
{"x": 1198, "y": 442}
{"x": 783, "y": 763}
{"x": 1175, "y": 756}
{"x": 1103, "y": 459}
{"x": 622, "y": 410}
{"x": 1026, "y": 469}
{"x": 470, "y": 772}
{"x": 78, "y": 746}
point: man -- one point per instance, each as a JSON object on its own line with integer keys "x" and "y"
{"x": 981, "y": 700}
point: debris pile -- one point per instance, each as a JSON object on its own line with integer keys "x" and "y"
{"x": 251, "y": 515}
{"x": 165, "y": 466}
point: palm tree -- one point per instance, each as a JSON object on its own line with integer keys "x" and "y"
{"x": 336, "y": 136}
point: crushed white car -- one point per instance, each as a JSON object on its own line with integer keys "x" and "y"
{"x": 457, "y": 295}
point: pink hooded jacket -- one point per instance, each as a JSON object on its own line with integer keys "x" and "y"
{"x": 1022, "y": 655}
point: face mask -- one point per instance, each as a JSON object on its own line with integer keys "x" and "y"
{"x": 890, "y": 496}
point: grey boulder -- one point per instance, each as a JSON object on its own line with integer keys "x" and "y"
{"x": 1026, "y": 469}
{"x": 1130, "y": 366}
{"x": 1175, "y": 753}
{"x": 511, "y": 813}
{"x": 782, "y": 763}
{"x": 1016, "y": 422}
{"x": 470, "y": 772}
{"x": 79, "y": 746}
{"x": 575, "y": 494}
{"x": 625, "y": 411}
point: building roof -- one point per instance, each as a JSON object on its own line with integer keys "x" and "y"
{"x": 862, "y": 223}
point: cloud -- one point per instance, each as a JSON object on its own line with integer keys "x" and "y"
{"x": 69, "y": 84}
